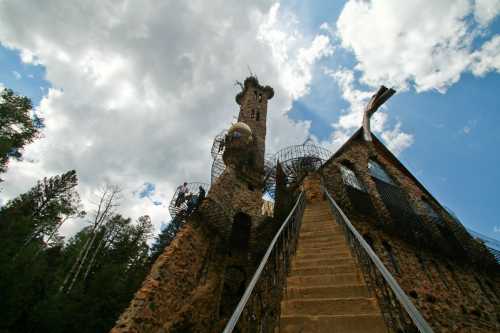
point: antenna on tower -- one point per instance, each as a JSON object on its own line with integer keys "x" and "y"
{"x": 251, "y": 73}
{"x": 238, "y": 83}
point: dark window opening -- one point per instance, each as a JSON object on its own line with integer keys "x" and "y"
{"x": 423, "y": 267}
{"x": 392, "y": 257}
{"x": 255, "y": 93}
{"x": 406, "y": 221}
{"x": 252, "y": 114}
{"x": 260, "y": 97}
{"x": 368, "y": 239}
{"x": 235, "y": 276}
{"x": 356, "y": 191}
{"x": 240, "y": 234}
{"x": 258, "y": 116}
{"x": 431, "y": 213}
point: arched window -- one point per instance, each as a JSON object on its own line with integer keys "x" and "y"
{"x": 349, "y": 178}
{"x": 240, "y": 233}
{"x": 377, "y": 171}
{"x": 235, "y": 275}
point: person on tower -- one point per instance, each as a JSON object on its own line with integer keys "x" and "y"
{"x": 182, "y": 190}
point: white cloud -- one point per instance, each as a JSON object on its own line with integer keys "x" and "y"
{"x": 486, "y": 10}
{"x": 426, "y": 44}
{"x": 17, "y": 75}
{"x": 293, "y": 59}
{"x": 351, "y": 119}
{"x": 487, "y": 58}
{"x": 396, "y": 140}
{"x": 140, "y": 89}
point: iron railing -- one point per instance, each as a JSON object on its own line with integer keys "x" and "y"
{"x": 398, "y": 311}
{"x": 258, "y": 309}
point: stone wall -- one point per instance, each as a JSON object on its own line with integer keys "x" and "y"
{"x": 454, "y": 293}
{"x": 178, "y": 294}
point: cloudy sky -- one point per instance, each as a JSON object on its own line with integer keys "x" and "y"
{"x": 133, "y": 92}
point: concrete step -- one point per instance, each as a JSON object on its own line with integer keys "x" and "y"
{"x": 326, "y": 253}
{"x": 318, "y": 220}
{"x": 316, "y": 292}
{"x": 321, "y": 261}
{"x": 340, "y": 279}
{"x": 322, "y": 238}
{"x": 315, "y": 255}
{"x": 340, "y": 251}
{"x": 324, "y": 228}
{"x": 362, "y": 323}
{"x": 325, "y": 243}
{"x": 319, "y": 270}
{"x": 329, "y": 306}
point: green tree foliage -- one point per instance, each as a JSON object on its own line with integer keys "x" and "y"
{"x": 166, "y": 236}
{"x": 34, "y": 263}
{"x": 17, "y": 126}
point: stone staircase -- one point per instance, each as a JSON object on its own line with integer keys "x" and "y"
{"x": 325, "y": 289}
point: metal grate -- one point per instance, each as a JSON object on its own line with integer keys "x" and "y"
{"x": 182, "y": 208}
{"x": 349, "y": 178}
{"x": 377, "y": 171}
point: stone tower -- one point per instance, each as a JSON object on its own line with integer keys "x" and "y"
{"x": 253, "y": 112}
{"x": 196, "y": 283}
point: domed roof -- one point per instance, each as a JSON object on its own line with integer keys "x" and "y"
{"x": 242, "y": 128}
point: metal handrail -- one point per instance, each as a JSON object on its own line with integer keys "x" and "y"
{"x": 231, "y": 324}
{"x": 401, "y": 296}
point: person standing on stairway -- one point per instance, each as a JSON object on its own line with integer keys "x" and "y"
{"x": 182, "y": 191}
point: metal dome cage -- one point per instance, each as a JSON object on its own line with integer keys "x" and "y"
{"x": 296, "y": 161}
{"x": 184, "y": 206}
{"x": 218, "y": 144}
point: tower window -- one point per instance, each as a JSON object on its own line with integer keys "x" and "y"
{"x": 258, "y": 116}
{"x": 252, "y": 114}
{"x": 377, "y": 171}
{"x": 260, "y": 97}
{"x": 255, "y": 93}
{"x": 349, "y": 178}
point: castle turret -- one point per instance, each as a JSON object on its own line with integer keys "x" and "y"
{"x": 253, "y": 112}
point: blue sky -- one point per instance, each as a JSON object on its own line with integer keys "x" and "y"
{"x": 133, "y": 73}
{"x": 455, "y": 152}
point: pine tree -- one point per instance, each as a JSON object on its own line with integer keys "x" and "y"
{"x": 166, "y": 236}
{"x": 18, "y": 126}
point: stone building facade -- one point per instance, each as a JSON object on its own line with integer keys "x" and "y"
{"x": 195, "y": 285}
{"x": 451, "y": 278}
